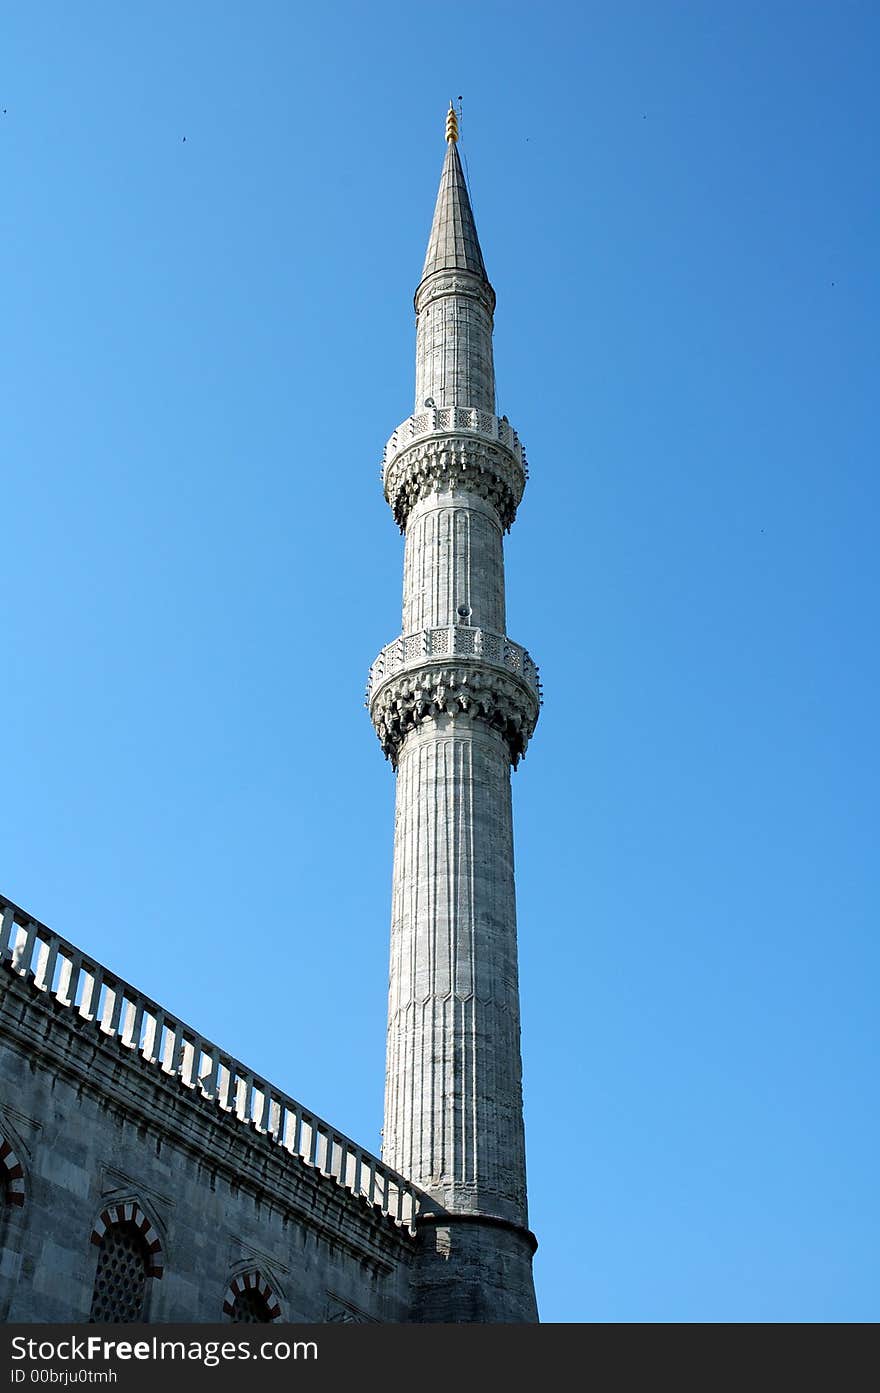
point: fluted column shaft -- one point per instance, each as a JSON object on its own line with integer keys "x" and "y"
{"x": 453, "y": 1107}
{"x": 453, "y": 560}
{"x": 454, "y": 360}
{"x": 453, "y": 1113}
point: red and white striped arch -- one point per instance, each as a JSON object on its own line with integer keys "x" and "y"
{"x": 13, "y": 1172}
{"x": 251, "y": 1281}
{"x": 131, "y": 1213}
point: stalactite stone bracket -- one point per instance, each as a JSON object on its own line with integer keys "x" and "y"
{"x": 464, "y": 673}
{"x": 454, "y": 447}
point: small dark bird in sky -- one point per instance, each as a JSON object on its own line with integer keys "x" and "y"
{"x": 833, "y": 282}
{"x": 644, "y": 115}
{"x": 4, "y": 111}
{"x": 184, "y": 138}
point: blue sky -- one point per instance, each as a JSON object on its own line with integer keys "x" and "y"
{"x": 206, "y": 343}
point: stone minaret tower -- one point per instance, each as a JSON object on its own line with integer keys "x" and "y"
{"x": 454, "y": 703}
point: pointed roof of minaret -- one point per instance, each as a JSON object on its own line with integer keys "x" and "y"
{"x": 453, "y": 244}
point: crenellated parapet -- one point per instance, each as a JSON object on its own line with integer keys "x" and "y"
{"x": 456, "y": 447}
{"x": 455, "y": 671}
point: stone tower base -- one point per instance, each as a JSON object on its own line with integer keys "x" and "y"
{"x": 470, "y": 1268}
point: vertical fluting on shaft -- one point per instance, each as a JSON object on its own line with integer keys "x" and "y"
{"x": 453, "y": 1120}
{"x": 453, "y": 560}
{"x": 454, "y": 363}
{"x": 454, "y": 703}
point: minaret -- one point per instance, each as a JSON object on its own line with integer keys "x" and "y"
{"x": 454, "y": 703}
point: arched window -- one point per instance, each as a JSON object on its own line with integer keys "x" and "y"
{"x": 12, "y": 1199}
{"x": 129, "y": 1254}
{"x": 121, "y": 1276}
{"x": 250, "y": 1308}
{"x": 13, "y": 1174}
{"x": 250, "y": 1299}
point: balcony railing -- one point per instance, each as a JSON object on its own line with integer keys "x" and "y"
{"x": 116, "y": 1008}
{"x": 455, "y": 420}
{"x": 452, "y": 641}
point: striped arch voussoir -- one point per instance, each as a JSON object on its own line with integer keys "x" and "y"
{"x": 251, "y": 1281}
{"x": 132, "y": 1213}
{"x": 14, "y": 1173}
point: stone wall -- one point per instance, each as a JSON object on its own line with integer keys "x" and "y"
{"x": 92, "y": 1128}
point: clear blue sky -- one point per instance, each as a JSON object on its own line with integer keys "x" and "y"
{"x": 205, "y": 345}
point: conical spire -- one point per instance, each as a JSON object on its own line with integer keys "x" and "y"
{"x": 453, "y": 244}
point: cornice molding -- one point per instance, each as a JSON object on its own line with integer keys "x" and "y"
{"x": 458, "y": 282}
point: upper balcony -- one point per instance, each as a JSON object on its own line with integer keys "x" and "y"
{"x": 454, "y": 420}
{"x": 448, "y": 644}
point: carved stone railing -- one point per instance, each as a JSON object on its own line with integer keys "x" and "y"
{"x": 454, "y": 447}
{"x": 454, "y": 640}
{"x": 457, "y": 671}
{"x": 455, "y": 420}
{"x": 116, "y": 1009}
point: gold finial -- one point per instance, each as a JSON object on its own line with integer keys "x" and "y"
{"x": 451, "y": 125}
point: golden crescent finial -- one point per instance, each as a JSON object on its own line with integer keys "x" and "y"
{"x": 451, "y": 124}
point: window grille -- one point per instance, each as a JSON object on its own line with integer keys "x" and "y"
{"x": 251, "y": 1307}
{"x": 121, "y": 1277}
